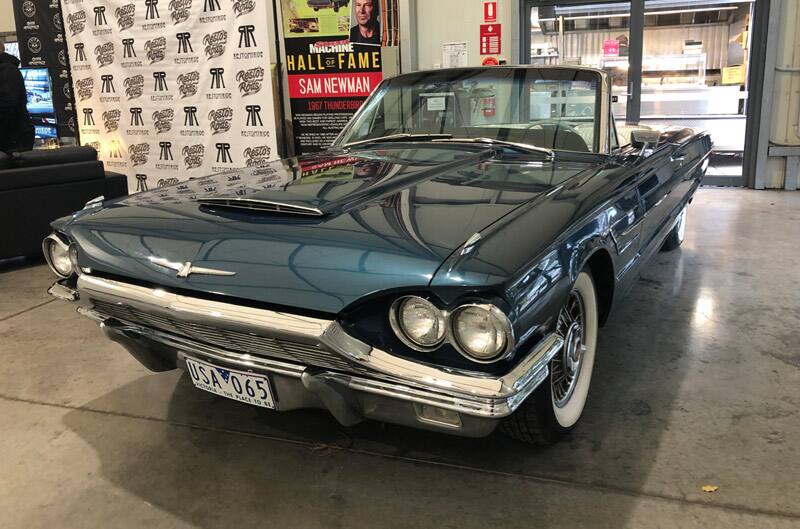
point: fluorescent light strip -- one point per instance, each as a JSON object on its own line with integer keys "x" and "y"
{"x": 647, "y": 13}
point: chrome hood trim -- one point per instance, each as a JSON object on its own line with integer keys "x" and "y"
{"x": 261, "y": 206}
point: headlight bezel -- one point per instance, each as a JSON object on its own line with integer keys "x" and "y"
{"x": 54, "y": 239}
{"x": 395, "y": 320}
{"x": 505, "y": 326}
{"x": 450, "y": 336}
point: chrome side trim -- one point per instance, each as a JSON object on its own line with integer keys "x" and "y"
{"x": 513, "y": 387}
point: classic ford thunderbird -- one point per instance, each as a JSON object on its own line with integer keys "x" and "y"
{"x": 445, "y": 265}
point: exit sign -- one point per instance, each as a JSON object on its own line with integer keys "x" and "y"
{"x": 490, "y": 11}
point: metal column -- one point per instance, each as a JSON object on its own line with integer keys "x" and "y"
{"x": 635, "y": 47}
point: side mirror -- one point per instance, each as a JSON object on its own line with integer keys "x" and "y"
{"x": 644, "y": 138}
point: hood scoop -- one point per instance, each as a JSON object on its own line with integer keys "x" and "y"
{"x": 261, "y": 206}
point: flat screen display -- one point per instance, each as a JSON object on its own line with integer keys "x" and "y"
{"x": 40, "y": 101}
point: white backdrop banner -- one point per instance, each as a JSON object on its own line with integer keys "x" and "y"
{"x": 174, "y": 89}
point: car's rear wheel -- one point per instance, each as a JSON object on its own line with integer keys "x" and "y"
{"x": 554, "y": 408}
{"x": 676, "y": 235}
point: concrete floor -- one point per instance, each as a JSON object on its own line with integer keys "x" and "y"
{"x": 697, "y": 382}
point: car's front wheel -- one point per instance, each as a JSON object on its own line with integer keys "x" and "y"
{"x": 554, "y": 408}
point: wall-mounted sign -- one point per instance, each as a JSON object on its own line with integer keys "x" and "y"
{"x": 490, "y": 11}
{"x": 611, "y": 48}
{"x": 333, "y": 62}
{"x": 490, "y": 61}
{"x": 454, "y": 55}
{"x": 491, "y": 39}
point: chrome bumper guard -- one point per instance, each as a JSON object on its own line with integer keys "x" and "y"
{"x": 376, "y": 372}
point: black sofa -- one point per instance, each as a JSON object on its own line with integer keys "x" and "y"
{"x": 39, "y": 186}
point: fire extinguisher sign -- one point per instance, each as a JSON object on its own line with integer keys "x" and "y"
{"x": 490, "y": 11}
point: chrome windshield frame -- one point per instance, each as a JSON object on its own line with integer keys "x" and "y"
{"x": 603, "y": 114}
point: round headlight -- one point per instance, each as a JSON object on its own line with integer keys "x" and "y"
{"x": 417, "y": 322}
{"x": 482, "y": 332}
{"x": 57, "y": 253}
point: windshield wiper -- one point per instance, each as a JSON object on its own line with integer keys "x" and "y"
{"x": 520, "y": 146}
{"x": 399, "y": 137}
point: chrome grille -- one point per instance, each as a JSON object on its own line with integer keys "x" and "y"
{"x": 307, "y": 354}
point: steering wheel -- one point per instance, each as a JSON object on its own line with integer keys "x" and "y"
{"x": 558, "y": 124}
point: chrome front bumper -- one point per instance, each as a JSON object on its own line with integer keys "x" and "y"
{"x": 374, "y": 384}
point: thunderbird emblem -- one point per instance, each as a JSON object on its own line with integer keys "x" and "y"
{"x": 186, "y": 269}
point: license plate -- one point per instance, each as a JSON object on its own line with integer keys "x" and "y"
{"x": 237, "y": 385}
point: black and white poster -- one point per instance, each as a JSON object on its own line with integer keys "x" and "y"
{"x": 172, "y": 89}
{"x": 40, "y": 30}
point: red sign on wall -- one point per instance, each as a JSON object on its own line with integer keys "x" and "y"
{"x": 490, "y": 39}
{"x": 490, "y": 11}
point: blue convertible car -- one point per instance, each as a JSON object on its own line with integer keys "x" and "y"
{"x": 444, "y": 265}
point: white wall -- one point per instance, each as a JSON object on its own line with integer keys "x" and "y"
{"x": 6, "y": 16}
{"x": 441, "y": 21}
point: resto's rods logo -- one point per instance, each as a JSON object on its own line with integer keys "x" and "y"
{"x": 187, "y": 83}
{"x": 215, "y": 43}
{"x": 220, "y": 120}
{"x": 179, "y": 10}
{"x": 257, "y": 156}
{"x": 138, "y": 153}
{"x": 250, "y": 80}
{"x": 243, "y": 7}
{"x": 125, "y": 16}
{"x": 156, "y": 49}
{"x": 77, "y": 22}
{"x": 104, "y": 53}
{"x": 134, "y": 86}
{"x": 193, "y": 155}
{"x": 162, "y": 120}
{"x": 85, "y": 88}
{"x": 111, "y": 119}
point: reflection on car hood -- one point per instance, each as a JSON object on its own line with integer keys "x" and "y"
{"x": 389, "y": 219}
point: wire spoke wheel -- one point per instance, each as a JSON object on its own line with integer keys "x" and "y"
{"x": 566, "y": 366}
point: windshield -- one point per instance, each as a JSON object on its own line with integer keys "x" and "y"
{"x": 552, "y": 108}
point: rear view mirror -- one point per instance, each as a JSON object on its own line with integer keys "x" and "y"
{"x": 644, "y": 138}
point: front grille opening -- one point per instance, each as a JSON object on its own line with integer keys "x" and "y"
{"x": 227, "y": 339}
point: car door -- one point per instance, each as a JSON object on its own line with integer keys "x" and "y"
{"x": 659, "y": 180}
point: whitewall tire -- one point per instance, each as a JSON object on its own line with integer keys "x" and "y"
{"x": 553, "y": 410}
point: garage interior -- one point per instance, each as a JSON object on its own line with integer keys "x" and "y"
{"x": 693, "y": 418}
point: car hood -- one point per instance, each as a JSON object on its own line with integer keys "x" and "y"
{"x": 386, "y": 219}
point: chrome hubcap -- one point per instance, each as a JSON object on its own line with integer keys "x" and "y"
{"x": 566, "y": 367}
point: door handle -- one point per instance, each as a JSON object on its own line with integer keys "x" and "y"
{"x": 678, "y": 157}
